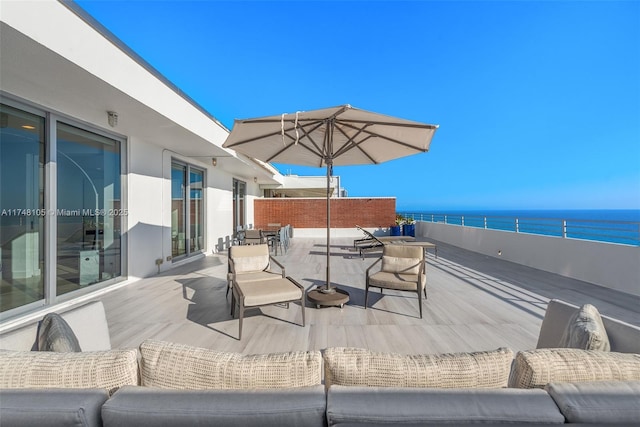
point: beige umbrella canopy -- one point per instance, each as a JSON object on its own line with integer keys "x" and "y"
{"x": 337, "y": 136}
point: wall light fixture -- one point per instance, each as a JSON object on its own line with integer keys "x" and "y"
{"x": 112, "y": 118}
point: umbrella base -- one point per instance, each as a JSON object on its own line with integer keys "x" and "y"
{"x": 323, "y": 298}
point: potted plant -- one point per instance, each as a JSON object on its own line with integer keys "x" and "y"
{"x": 396, "y": 230}
{"x": 409, "y": 227}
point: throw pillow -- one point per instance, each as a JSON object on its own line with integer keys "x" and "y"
{"x": 250, "y": 264}
{"x": 178, "y": 366}
{"x": 100, "y": 369}
{"x": 585, "y": 331}
{"x": 55, "y": 334}
{"x": 400, "y": 265}
{"x": 537, "y": 368}
{"x": 361, "y": 367}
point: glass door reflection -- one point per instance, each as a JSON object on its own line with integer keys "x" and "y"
{"x": 88, "y": 213}
{"x": 178, "y": 207}
{"x": 21, "y": 207}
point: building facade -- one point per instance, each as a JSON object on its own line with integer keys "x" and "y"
{"x": 108, "y": 172}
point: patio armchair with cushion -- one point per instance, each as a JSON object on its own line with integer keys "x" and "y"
{"x": 250, "y": 263}
{"x": 254, "y": 284}
{"x": 402, "y": 268}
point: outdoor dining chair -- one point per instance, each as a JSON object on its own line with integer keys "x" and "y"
{"x": 254, "y": 284}
{"x": 280, "y": 239}
{"x": 238, "y": 239}
{"x": 253, "y": 237}
{"x": 402, "y": 268}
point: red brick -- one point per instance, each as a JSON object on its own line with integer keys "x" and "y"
{"x": 312, "y": 213}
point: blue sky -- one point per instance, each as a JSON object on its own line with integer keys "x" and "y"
{"x": 538, "y": 102}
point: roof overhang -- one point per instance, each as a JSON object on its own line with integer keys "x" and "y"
{"x": 84, "y": 71}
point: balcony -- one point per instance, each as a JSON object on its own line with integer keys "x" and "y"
{"x": 475, "y": 302}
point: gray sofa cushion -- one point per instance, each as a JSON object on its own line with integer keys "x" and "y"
{"x": 143, "y": 406}
{"x": 601, "y": 402}
{"x": 51, "y": 407}
{"x": 55, "y": 334}
{"x": 386, "y": 406}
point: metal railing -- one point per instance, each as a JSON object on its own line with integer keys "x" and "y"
{"x": 622, "y": 232}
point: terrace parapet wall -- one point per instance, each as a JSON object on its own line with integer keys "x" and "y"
{"x": 346, "y": 212}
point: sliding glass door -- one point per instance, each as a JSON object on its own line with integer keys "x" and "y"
{"x": 22, "y": 158}
{"x": 178, "y": 210}
{"x": 196, "y": 182}
{"x": 88, "y": 208}
{"x": 61, "y": 214}
{"x": 239, "y": 196}
{"x": 187, "y": 209}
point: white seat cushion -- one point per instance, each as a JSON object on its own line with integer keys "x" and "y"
{"x": 256, "y": 276}
{"x": 269, "y": 292}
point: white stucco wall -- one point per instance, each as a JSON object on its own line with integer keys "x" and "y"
{"x": 610, "y": 265}
{"x": 144, "y": 219}
{"x": 149, "y": 220}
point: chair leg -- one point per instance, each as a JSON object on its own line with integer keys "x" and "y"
{"x": 420, "y": 302}
{"x": 366, "y": 294}
{"x": 302, "y": 306}
{"x": 240, "y": 317}
{"x": 233, "y": 305}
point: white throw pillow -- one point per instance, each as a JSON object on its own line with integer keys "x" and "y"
{"x": 178, "y": 366}
{"x": 586, "y": 331}
{"x": 361, "y": 367}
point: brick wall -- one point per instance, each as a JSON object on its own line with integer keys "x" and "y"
{"x": 346, "y": 212}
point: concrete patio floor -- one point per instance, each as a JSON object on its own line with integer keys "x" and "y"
{"x": 475, "y": 302}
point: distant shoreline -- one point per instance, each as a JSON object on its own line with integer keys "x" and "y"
{"x": 608, "y": 225}
{"x": 582, "y": 214}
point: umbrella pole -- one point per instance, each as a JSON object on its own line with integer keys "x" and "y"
{"x": 328, "y": 288}
{"x": 328, "y": 295}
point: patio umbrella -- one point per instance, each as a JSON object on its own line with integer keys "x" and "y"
{"x": 337, "y": 136}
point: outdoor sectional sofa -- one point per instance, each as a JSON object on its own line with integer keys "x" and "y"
{"x": 169, "y": 384}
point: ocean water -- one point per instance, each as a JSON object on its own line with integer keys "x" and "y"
{"x": 607, "y": 225}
